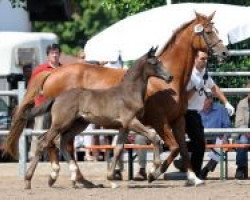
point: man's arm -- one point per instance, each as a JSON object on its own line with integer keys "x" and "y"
{"x": 218, "y": 93}
{"x": 226, "y": 122}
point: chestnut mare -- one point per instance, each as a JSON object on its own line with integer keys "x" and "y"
{"x": 165, "y": 104}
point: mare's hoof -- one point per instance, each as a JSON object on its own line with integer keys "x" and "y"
{"x": 196, "y": 182}
{"x": 27, "y": 185}
{"x": 151, "y": 178}
{"x": 114, "y": 185}
{"x": 51, "y": 181}
{"x": 192, "y": 179}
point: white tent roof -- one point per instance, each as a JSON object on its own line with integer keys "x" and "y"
{"x": 134, "y": 35}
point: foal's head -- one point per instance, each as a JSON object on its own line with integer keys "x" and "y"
{"x": 152, "y": 66}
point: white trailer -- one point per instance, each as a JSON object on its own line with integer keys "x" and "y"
{"x": 16, "y": 50}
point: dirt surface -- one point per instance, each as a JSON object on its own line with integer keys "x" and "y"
{"x": 11, "y": 186}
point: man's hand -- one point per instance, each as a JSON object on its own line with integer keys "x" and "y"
{"x": 230, "y": 108}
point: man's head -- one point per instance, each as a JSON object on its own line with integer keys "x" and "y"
{"x": 53, "y": 54}
{"x": 201, "y": 60}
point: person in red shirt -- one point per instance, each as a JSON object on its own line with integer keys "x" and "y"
{"x": 53, "y": 55}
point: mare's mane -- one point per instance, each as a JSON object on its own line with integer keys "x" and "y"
{"x": 174, "y": 35}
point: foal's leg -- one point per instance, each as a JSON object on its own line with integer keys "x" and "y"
{"x": 55, "y": 167}
{"x": 67, "y": 146}
{"x": 122, "y": 136}
{"x": 138, "y": 127}
{"x": 43, "y": 142}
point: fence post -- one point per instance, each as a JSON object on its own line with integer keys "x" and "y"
{"x": 22, "y": 140}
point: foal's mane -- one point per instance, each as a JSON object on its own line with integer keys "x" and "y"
{"x": 137, "y": 66}
{"x": 175, "y": 34}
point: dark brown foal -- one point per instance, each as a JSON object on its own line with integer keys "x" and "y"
{"x": 116, "y": 107}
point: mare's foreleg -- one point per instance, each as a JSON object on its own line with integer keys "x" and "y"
{"x": 179, "y": 131}
{"x": 43, "y": 142}
{"x": 138, "y": 127}
{"x": 122, "y": 137}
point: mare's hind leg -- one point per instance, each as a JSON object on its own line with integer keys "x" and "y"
{"x": 138, "y": 127}
{"x": 167, "y": 136}
{"x": 67, "y": 146}
{"x": 43, "y": 142}
{"x": 122, "y": 137}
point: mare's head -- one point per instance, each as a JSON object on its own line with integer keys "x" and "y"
{"x": 152, "y": 66}
{"x": 206, "y": 37}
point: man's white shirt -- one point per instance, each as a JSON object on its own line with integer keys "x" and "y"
{"x": 196, "y": 102}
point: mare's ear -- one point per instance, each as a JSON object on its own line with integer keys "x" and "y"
{"x": 210, "y": 17}
{"x": 198, "y": 16}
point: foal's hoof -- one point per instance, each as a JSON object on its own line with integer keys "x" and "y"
{"x": 27, "y": 185}
{"x": 89, "y": 184}
{"x": 51, "y": 181}
{"x": 116, "y": 176}
{"x": 151, "y": 178}
{"x": 74, "y": 184}
{"x": 110, "y": 177}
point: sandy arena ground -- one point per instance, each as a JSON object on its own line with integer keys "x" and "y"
{"x": 11, "y": 186}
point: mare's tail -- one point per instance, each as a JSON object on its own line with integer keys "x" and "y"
{"x": 20, "y": 117}
{"x": 42, "y": 109}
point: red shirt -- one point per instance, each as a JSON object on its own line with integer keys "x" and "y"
{"x": 40, "y": 68}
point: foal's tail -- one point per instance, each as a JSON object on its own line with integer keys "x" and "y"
{"x": 20, "y": 117}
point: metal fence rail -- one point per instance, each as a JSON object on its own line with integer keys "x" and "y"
{"x": 28, "y": 132}
{"x": 242, "y": 52}
{"x": 106, "y": 132}
{"x": 229, "y": 73}
{"x": 9, "y": 93}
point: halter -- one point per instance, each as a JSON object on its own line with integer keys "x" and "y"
{"x": 204, "y": 34}
{"x": 210, "y": 46}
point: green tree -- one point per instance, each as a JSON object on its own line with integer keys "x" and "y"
{"x": 235, "y": 2}
{"x": 124, "y": 8}
{"x": 88, "y": 18}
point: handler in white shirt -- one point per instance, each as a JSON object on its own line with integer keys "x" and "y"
{"x": 196, "y": 96}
